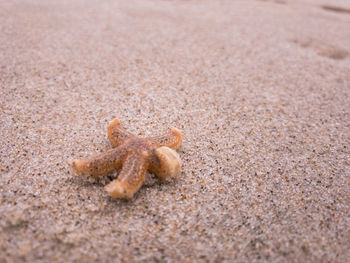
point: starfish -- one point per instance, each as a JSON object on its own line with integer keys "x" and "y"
{"x": 135, "y": 156}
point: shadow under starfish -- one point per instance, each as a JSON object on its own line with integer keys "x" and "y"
{"x": 135, "y": 156}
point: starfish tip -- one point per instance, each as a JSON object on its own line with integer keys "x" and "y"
{"x": 176, "y": 131}
{"x": 114, "y": 122}
{"x": 117, "y": 190}
{"x": 170, "y": 160}
{"x": 76, "y": 164}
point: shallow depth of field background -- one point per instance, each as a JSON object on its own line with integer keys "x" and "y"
{"x": 260, "y": 90}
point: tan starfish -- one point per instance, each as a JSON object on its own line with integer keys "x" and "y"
{"x": 135, "y": 155}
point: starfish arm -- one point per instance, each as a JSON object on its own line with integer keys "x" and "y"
{"x": 172, "y": 140}
{"x": 117, "y": 135}
{"x": 130, "y": 178}
{"x": 101, "y": 163}
{"x": 165, "y": 162}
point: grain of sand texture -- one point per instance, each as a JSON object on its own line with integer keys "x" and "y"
{"x": 260, "y": 90}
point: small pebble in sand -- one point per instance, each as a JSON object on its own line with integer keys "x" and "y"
{"x": 135, "y": 155}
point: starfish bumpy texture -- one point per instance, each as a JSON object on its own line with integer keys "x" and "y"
{"x": 135, "y": 156}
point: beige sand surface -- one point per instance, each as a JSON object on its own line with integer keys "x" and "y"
{"x": 260, "y": 89}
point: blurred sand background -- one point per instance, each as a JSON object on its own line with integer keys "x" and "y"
{"x": 260, "y": 90}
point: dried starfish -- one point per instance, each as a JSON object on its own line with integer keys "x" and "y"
{"x": 135, "y": 155}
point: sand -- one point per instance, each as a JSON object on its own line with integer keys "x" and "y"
{"x": 260, "y": 90}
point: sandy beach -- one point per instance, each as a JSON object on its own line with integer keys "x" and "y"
{"x": 259, "y": 89}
